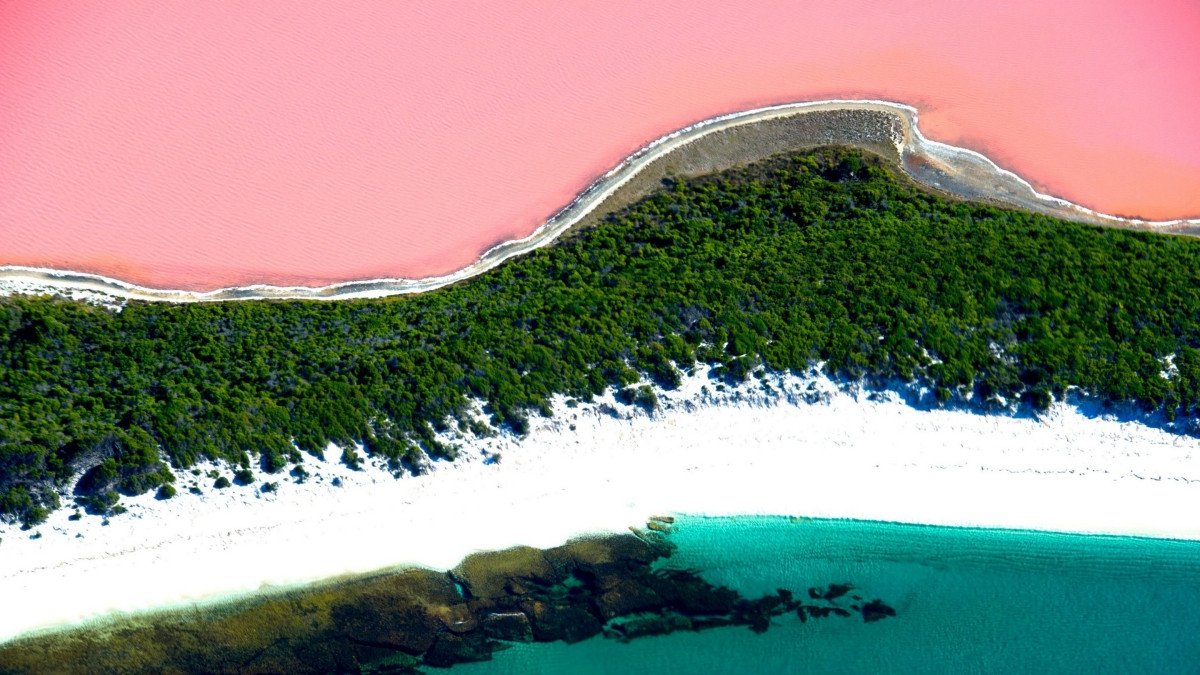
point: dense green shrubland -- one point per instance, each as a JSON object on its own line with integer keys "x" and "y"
{"x": 821, "y": 257}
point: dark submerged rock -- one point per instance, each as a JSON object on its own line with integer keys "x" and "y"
{"x": 450, "y": 649}
{"x": 627, "y": 597}
{"x": 876, "y": 610}
{"x": 688, "y": 593}
{"x": 373, "y": 659}
{"x": 643, "y": 626}
{"x": 757, "y": 613}
{"x": 837, "y": 591}
{"x": 561, "y": 621}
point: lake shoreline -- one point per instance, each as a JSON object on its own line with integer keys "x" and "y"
{"x": 945, "y": 169}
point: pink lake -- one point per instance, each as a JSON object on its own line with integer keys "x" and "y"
{"x": 202, "y": 144}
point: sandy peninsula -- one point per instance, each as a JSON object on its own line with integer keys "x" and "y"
{"x": 804, "y": 447}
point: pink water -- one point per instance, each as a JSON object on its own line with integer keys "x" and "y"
{"x": 189, "y": 145}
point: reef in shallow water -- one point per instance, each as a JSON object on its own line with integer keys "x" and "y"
{"x": 401, "y": 622}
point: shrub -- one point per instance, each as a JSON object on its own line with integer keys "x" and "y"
{"x": 222, "y": 483}
{"x": 351, "y": 458}
{"x": 643, "y": 397}
{"x": 100, "y": 505}
{"x": 166, "y": 491}
{"x": 646, "y": 398}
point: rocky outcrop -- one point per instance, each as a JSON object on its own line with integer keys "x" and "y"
{"x": 405, "y": 612}
{"x": 496, "y": 574}
{"x": 401, "y": 622}
{"x": 561, "y": 620}
{"x": 450, "y": 649}
{"x": 508, "y": 626}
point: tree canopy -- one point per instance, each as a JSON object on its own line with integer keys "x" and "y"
{"x": 820, "y": 257}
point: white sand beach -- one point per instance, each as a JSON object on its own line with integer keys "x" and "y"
{"x": 604, "y": 467}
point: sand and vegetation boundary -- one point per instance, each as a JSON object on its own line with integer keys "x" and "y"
{"x": 785, "y": 444}
{"x": 825, "y": 257}
{"x": 881, "y": 127}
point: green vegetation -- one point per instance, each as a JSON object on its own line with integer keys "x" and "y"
{"x": 351, "y": 458}
{"x": 642, "y": 396}
{"x": 103, "y": 504}
{"x": 825, "y": 257}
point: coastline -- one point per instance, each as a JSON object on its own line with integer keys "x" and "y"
{"x": 809, "y": 448}
{"x": 947, "y": 169}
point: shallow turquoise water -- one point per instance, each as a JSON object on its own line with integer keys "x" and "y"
{"x": 968, "y": 601}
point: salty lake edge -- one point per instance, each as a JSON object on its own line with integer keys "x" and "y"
{"x": 881, "y": 127}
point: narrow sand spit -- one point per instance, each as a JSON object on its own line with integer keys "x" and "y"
{"x": 806, "y": 448}
{"x": 878, "y": 126}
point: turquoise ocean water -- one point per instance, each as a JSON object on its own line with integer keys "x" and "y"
{"x": 968, "y": 601}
